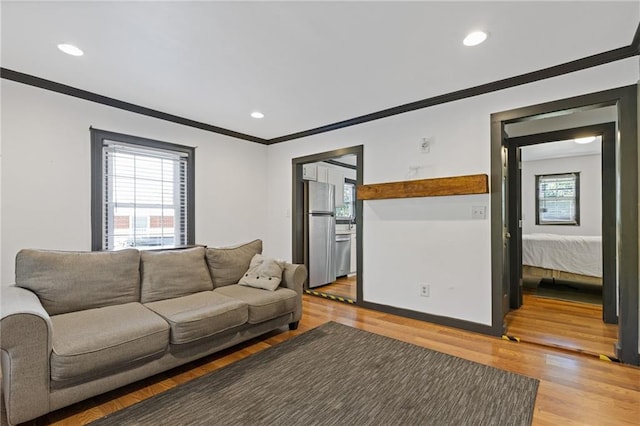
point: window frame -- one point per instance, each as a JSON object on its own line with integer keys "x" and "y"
{"x": 539, "y": 220}
{"x": 98, "y": 138}
{"x": 341, "y": 219}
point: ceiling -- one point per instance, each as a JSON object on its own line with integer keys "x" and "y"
{"x": 349, "y": 159}
{"x": 560, "y": 149}
{"x": 303, "y": 64}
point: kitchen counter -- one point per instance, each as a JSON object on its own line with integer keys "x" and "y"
{"x": 342, "y": 229}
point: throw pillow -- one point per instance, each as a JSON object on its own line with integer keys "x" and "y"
{"x": 173, "y": 273}
{"x": 264, "y": 272}
{"x": 228, "y": 264}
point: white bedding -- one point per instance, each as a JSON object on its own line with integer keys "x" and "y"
{"x": 570, "y": 253}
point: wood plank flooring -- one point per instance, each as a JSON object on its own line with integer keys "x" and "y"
{"x": 569, "y": 325}
{"x": 575, "y": 389}
{"x": 343, "y": 286}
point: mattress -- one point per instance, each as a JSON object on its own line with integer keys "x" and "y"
{"x": 571, "y": 253}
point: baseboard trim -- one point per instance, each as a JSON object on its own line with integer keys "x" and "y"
{"x": 435, "y": 319}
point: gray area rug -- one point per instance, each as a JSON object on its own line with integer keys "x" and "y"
{"x": 571, "y": 291}
{"x": 339, "y": 375}
{"x": 566, "y": 290}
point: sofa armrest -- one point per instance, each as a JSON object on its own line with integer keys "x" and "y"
{"x": 25, "y": 346}
{"x": 293, "y": 277}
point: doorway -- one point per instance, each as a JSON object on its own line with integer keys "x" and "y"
{"x": 347, "y": 164}
{"x": 624, "y": 99}
{"x": 562, "y": 202}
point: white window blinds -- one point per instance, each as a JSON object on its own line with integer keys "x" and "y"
{"x": 144, "y": 196}
{"x": 558, "y": 197}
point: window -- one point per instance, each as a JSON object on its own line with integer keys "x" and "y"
{"x": 142, "y": 192}
{"x": 347, "y": 213}
{"x": 558, "y": 199}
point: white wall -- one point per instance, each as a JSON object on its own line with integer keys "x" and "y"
{"x": 46, "y": 173}
{"x": 348, "y": 173}
{"x": 590, "y": 169}
{"x": 429, "y": 240}
{"x": 239, "y": 196}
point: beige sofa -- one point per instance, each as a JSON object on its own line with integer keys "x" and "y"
{"x": 77, "y": 324}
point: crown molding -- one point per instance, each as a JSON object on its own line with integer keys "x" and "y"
{"x": 621, "y": 53}
{"x": 557, "y": 70}
{"x": 116, "y": 103}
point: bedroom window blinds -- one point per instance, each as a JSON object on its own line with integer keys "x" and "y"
{"x": 558, "y": 199}
{"x": 145, "y": 194}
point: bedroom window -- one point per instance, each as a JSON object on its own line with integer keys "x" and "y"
{"x": 142, "y": 192}
{"x": 558, "y": 199}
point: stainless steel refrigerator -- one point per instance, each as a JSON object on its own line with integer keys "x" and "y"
{"x": 321, "y": 232}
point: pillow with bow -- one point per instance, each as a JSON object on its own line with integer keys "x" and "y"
{"x": 264, "y": 272}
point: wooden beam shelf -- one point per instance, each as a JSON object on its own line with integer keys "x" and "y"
{"x": 454, "y": 185}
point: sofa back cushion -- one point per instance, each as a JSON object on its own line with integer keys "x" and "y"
{"x": 173, "y": 273}
{"x": 74, "y": 281}
{"x": 228, "y": 264}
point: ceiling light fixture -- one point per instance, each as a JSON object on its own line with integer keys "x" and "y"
{"x": 257, "y": 114}
{"x": 588, "y": 139}
{"x": 474, "y": 38}
{"x": 70, "y": 49}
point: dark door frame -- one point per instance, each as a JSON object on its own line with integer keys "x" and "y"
{"x": 626, "y": 101}
{"x": 297, "y": 185}
{"x": 607, "y": 131}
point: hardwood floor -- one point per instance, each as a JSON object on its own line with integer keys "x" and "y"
{"x": 343, "y": 286}
{"x": 575, "y": 389}
{"x": 569, "y": 325}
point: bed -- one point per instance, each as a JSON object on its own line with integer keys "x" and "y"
{"x": 562, "y": 257}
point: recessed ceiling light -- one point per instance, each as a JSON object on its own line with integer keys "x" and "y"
{"x": 474, "y": 38}
{"x": 257, "y": 114}
{"x": 70, "y": 49}
{"x": 588, "y": 139}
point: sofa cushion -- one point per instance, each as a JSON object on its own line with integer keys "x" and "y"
{"x": 103, "y": 341}
{"x": 264, "y": 272}
{"x": 73, "y": 281}
{"x": 228, "y": 264}
{"x": 173, "y": 273}
{"x": 200, "y": 315}
{"x": 263, "y": 304}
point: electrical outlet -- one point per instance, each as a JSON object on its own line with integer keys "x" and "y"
{"x": 424, "y": 290}
{"x": 478, "y": 212}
